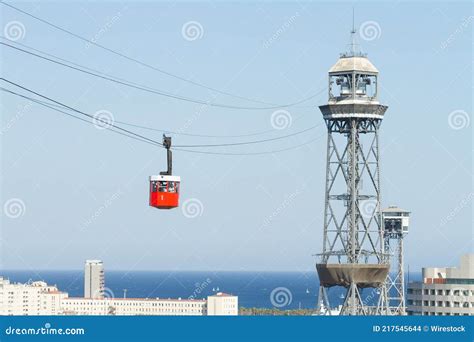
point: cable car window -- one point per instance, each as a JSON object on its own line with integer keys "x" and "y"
{"x": 154, "y": 186}
{"x": 162, "y": 186}
{"x": 171, "y": 187}
{"x": 177, "y": 187}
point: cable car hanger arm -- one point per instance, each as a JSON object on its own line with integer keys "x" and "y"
{"x": 169, "y": 156}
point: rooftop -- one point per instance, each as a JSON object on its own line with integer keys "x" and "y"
{"x": 394, "y": 209}
{"x": 353, "y": 63}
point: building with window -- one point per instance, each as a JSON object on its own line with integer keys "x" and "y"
{"x": 444, "y": 290}
{"x": 94, "y": 281}
{"x": 39, "y": 298}
{"x": 30, "y": 299}
{"x": 134, "y": 306}
{"x": 222, "y": 304}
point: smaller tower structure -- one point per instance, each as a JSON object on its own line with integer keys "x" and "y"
{"x": 395, "y": 223}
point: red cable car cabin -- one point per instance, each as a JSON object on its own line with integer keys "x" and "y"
{"x": 164, "y": 191}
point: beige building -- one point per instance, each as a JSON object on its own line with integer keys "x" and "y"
{"x": 222, "y": 304}
{"x": 444, "y": 290}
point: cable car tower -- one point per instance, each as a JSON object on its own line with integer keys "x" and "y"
{"x": 353, "y": 253}
{"x": 396, "y": 222}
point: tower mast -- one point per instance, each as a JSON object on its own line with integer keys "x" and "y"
{"x": 353, "y": 253}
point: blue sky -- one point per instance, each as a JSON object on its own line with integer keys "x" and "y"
{"x": 82, "y": 191}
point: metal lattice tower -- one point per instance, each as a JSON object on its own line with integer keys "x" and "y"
{"x": 396, "y": 222}
{"x": 353, "y": 253}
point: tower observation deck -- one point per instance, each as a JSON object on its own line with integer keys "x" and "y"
{"x": 353, "y": 253}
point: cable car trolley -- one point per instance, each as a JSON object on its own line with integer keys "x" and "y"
{"x": 164, "y": 188}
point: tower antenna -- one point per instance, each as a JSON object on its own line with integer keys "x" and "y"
{"x": 353, "y": 32}
{"x": 353, "y": 21}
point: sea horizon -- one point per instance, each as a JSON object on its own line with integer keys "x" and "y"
{"x": 254, "y": 289}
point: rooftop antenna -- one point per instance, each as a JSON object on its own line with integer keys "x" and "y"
{"x": 353, "y": 32}
{"x": 354, "y": 49}
{"x": 353, "y": 21}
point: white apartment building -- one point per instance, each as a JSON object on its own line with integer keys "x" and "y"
{"x": 39, "y": 298}
{"x": 222, "y": 304}
{"x": 30, "y": 299}
{"x": 134, "y": 307}
{"x": 94, "y": 281}
{"x": 444, "y": 290}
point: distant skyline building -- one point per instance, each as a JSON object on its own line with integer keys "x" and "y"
{"x": 94, "y": 280}
{"x": 444, "y": 291}
{"x": 39, "y": 298}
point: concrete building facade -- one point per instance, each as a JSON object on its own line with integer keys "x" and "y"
{"x": 30, "y": 299}
{"x": 222, "y": 304}
{"x": 94, "y": 279}
{"x": 444, "y": 290}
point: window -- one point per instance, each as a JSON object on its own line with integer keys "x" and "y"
{"x": 162, "y": 186}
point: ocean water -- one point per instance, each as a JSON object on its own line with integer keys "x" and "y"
{"x": 286, "y": 290}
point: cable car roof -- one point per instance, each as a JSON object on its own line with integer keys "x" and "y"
{"x": 165, "y": 178}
